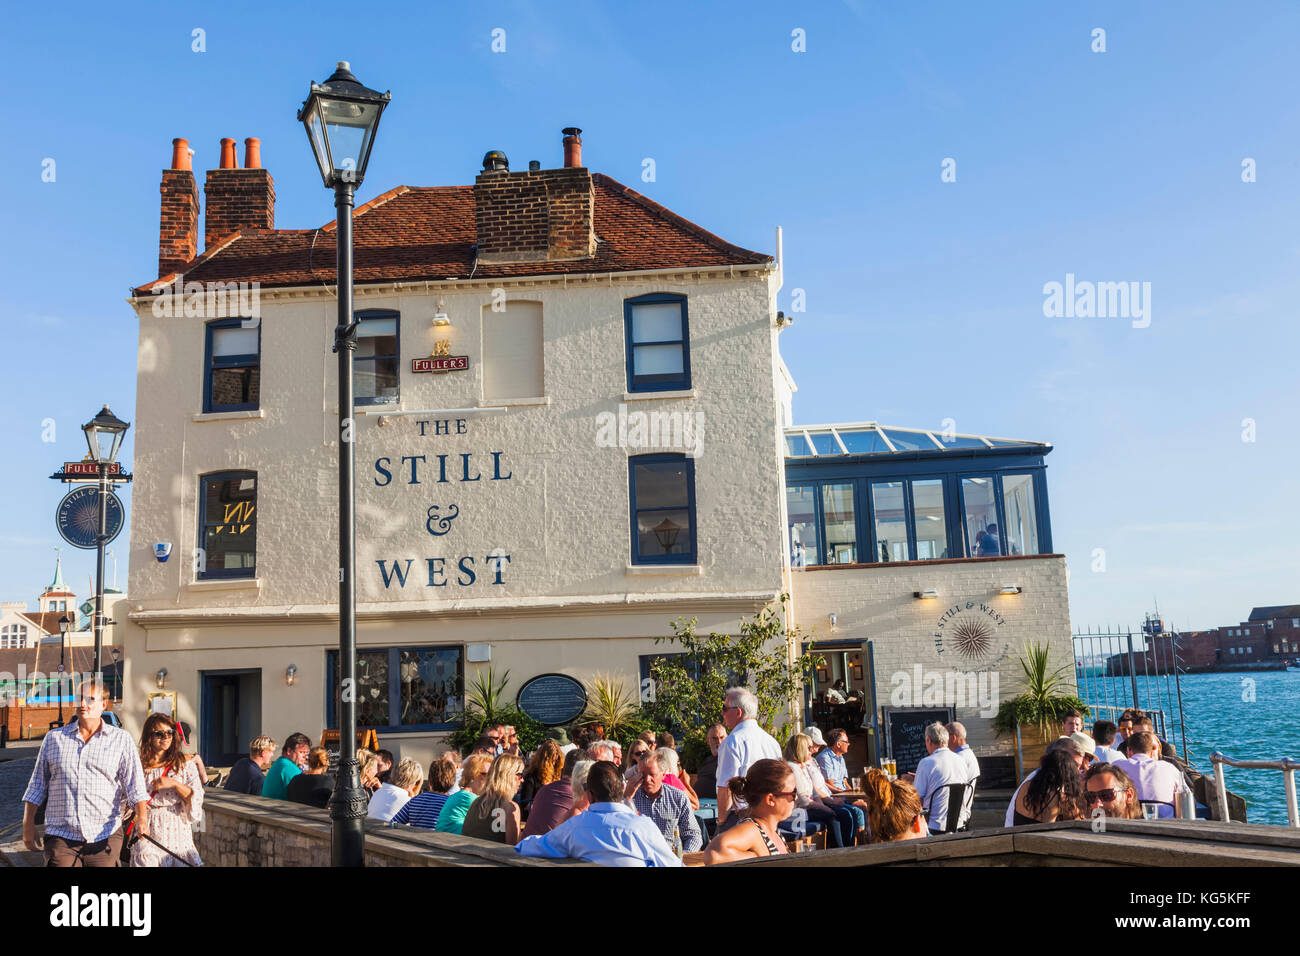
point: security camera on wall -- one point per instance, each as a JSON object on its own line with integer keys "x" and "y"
{"x": 162, "y": 551}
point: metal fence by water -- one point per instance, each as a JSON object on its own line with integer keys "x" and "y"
{"x": 1121, "y": 668}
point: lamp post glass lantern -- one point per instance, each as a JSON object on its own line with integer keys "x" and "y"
{"x": 104, "y": 435}
{"x": 341, "y": 116}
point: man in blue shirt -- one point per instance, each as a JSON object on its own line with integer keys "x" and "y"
{"x": 292, "y": 759}
{"x": 609, "y": 832}
{"x": 836, "y": 772}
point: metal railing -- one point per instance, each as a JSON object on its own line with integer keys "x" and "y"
{"x": 1287, "y": 765}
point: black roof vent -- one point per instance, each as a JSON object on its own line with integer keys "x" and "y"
{"x": 495, "y": 161}
{"x": 534, "y": 165}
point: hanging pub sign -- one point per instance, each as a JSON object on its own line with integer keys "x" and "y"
{"x": 77, "y": 517}
{"x": 553, "y": 699}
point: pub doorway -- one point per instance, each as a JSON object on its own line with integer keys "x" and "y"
{"x": 231, "y": 714}
{"x": 843, "y": 694}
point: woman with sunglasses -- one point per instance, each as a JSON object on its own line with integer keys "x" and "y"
{"x": 635, "y": 754}
{"x": 1111, "y": 789}
{"x": 176, "y": 797}
{"x": 495, "y": 815}
{"x": 769, "y": 789}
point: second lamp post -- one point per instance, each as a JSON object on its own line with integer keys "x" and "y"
{"x": 341, "y": 117}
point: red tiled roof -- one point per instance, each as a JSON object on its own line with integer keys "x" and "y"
{"x": 48, "y": 621}
{"x": 413, "y": 233}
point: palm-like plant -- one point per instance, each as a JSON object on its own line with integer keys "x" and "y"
{"x": 486, "y": 693}
{"x": 609, "y": 702}
{"x": 1046, "y": 692}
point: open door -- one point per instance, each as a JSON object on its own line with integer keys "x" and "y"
{"x": 871, "y": 707}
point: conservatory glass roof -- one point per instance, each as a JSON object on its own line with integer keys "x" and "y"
{"x": 872, "y": 438}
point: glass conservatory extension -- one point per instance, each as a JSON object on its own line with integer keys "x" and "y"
{"x": 867, "y": 493}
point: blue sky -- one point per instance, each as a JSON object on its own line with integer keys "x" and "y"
{"x": 924, "y": 298}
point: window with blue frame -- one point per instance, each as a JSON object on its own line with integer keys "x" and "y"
{"x": 898, "y": 517}
{"x": 403, "y": 688}
{"x": 376, "y": 361}
{"x": 801, "y": 515}
{"x": 658, "y": 343}
{"x": 228, "y": 525}
{"x": 662, "y": 497}
{"x": 232, "y": 366}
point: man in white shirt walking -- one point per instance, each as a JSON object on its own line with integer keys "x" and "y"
{"x": 746, "y": 743}
{"x": 934, "y": 773}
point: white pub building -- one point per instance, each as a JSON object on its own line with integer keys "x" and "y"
{"x": 573, "y": 427}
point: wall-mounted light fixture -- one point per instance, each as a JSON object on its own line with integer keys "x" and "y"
{"x": 1010, "y": 589}
{"x": 161, "y": 677}
{"x": 291, "y": 674}
{"x": 441, "y": 320}
{"x": 834, "y": 621}
{"x": 926, "y": 594}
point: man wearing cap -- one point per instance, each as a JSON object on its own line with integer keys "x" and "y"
{"x": 561, "y": 737}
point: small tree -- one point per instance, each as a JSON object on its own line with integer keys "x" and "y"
{"x": 688, "y": 688}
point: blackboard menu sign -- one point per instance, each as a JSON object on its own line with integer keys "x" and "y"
{"x": 905, "y": 732}
{"x": 553, "y": 699}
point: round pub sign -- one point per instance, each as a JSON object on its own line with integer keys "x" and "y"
{"x": 77, "y": 517}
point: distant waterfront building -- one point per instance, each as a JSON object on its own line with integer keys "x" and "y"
{"x": 574, "y": 426}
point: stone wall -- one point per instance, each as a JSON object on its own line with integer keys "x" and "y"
{"x": 239, "y": 830}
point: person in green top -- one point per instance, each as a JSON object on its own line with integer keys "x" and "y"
{"x": 287, "y": 766}
{"x": 473, "y": 778}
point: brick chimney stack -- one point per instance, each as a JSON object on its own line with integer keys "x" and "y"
{"x": 238, "y": 199}
{"x": 537, "y": 215}
{"x": 178, "y": 229}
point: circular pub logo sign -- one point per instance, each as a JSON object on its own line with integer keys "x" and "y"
{"x": 967, "y": 634}
{"x": 77, "y": 517}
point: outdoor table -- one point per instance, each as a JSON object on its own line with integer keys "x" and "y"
{"x": 693, "y": 859}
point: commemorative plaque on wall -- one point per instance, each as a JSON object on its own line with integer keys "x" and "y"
{"x": 553, "y": 699}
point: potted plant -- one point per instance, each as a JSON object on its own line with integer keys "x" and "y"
{"x": 1033, "y": 714}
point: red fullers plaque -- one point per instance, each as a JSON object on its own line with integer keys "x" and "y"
{"x": 442, "y": 363}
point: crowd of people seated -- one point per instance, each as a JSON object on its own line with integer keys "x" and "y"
{"x": 583, "y": 799}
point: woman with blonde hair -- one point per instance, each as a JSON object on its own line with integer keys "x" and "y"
{"x": 495, "y": 815}
{"x": 473, "y": 779}
{"x": 894, "y": 809}
{"x": 368, "y": 761}
{"x": 578, "y": 786}
{"x": 798, "y": 755}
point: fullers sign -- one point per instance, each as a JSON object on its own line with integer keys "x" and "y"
{"x": 441, "y": 363}
{"x": 90, "y": 468}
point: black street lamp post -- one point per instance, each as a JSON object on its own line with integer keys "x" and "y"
{"x": 64, "y": 623}
{"x": 341, "y": 117}
{"x": 104, "y": 438}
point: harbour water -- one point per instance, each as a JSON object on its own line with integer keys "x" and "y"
{"x": 1248, "y": 716}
